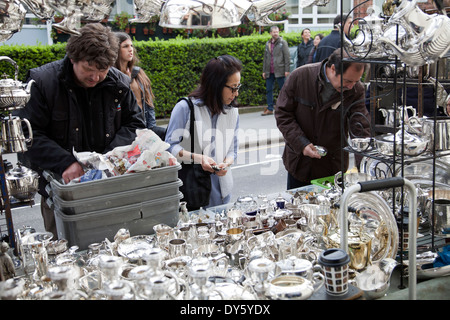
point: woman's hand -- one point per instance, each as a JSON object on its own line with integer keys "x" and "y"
{"x": 223, "y": 168}
{"x": 206, "y": 162}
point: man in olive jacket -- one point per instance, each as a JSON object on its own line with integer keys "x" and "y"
{"x": 276, "y": 65}
{"x": 308, "y": 113}
{"x": 79, "y": 103}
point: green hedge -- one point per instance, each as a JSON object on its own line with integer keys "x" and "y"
{"x": 174, "y": 66}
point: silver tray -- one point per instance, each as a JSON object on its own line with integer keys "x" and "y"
{"x": 374, "y": 207}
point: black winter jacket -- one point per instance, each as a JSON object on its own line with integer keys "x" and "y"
{"x": 55, "y": 112}
{"x": 303, "y": 50}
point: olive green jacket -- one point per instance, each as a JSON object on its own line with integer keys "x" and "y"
{"x": 281, "y": 58}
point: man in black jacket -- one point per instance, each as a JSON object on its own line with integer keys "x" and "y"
{"x": 333, "y": 41}
{"x": 79, "y": 103}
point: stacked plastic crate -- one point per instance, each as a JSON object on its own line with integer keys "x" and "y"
{"x": 89, "y": 212}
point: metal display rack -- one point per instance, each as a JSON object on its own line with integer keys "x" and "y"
{"x": 398, "y": 79}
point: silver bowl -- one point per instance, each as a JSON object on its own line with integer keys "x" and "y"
{"x": 361, "y": 144}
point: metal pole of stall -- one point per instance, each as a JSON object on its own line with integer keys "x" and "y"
{"x": 412, "y": 241}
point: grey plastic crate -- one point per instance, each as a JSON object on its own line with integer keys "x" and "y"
{"x": 93, "y": 227}
{"x": 111, "y": 185}
{"x": 115, "y": 200}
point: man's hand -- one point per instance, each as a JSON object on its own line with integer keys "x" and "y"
{"x": 73, "y": 171}
{"x": 311, "y": 151}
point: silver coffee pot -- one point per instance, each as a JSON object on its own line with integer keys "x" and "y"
{"x": 13, "y": 139}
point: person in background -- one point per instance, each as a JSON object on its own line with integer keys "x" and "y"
{"x": 127, "y": 62}
{"x": 317, "y": 38}
{"x": 309, "y": 113}
{"x": 304, "y": 47}
{"x": 216, "y": 121}
{"x": 276, "y": 65}
{"x": 333, "y": 41}
{"x": 79, "y": 103}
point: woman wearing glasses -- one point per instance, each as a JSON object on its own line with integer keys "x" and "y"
{"x": 216, "y": 126}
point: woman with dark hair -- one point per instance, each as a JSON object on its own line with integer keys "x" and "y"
{"x": 304, "y": 47}
{"x": 127, "y": 62}
{"x": 317, "y": 38}
{"x": 216, "y": 125}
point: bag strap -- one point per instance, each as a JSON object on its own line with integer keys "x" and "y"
{"x": 134, "y": 72}
{"x": 191, "y": 126}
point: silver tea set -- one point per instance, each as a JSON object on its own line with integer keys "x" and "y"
{"x": 259, "y": 248}
{"x": 22, "y": 182}
{"x": 14, "y": 95}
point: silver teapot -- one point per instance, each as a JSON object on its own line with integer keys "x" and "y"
{"x": 22, "y": 183}
{"x": 427, "y": 36}
{"x": 13, "y": 94}
{"x": 365, "y": 43}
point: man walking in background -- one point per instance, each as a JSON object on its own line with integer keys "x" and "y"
{"x": 276, "y": 65}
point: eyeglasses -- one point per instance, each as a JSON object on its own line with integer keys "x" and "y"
{"x": 234, "y": 89}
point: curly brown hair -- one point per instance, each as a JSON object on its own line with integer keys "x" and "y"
{"x": 95, "y": 44}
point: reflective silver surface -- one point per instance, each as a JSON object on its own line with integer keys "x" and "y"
{"x": 307, "y": 3}
{"x": 12, "y": 15}
{"x": 261, "y": 9}
{"x": 146, "y": 9}
{"x": 427, "y": 36}
{"x": 205, "y": 14}
{"x": 74, "y": 11}
{"x": 40, "y": 8}
{"x": 365, "y": 43}
{"x": 199, "y": 14}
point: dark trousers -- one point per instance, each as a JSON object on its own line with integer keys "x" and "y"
{"x": 269, "y": 89}
{"x": 293, "y": 183}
